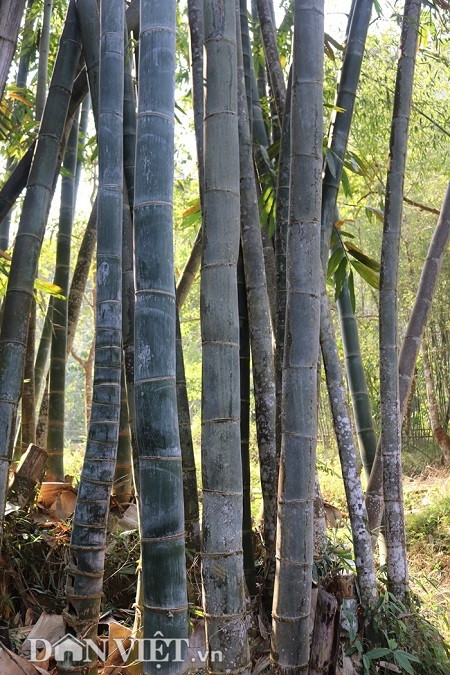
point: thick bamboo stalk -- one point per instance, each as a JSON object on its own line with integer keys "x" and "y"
{"x": 224, "y": 602}
{"x": 292, "y": 597}
{"x": 410, "y": 347}
{"x": 87, "y": 547}
{"x": 244, "y": 378}
{"x": 362, "y": 544}
{"x": 89, "y": 21}
{"x": 29, "y": 239}
{"x": 259, "y": 323}
{"x": 272, "y": 56}
{"x": 397, "y": 565}
{"x": 11, "y": 12}
{"x": 197, "y": 34}
{"x": 44, "y": 48}
{"x": 57, "y": 384}
{"x": 160, "y": 469}
{"x": 190, "y": 492}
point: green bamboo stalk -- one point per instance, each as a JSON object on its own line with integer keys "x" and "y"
{"x": 272, "y": 56}
{"x": 11, "y": 12}
{"x": 160, "y": 469}
{"x": 87, "y": 547}
{"x": 89, "y": 22}
{"x": 80, "y": 276}
{"x": 356, "y": 377}
{"x": 123, "y": 482}
{"x": 44, "y": 47}
{"x": 29, "y": 239}
{"x": 357, "y": 27}
{"x": 224, "y": 602}
{"x": 397, "y": 565}
{"x": 57, "y": 384}
{"x": 292, "y": 598}
{"x": 247, "y": 57}
{"x": 84, "y": 121}
{"x": 244, "y": 378}
{"x": 362, "y": 544}
{"x": 260, "y": 329}
{"x": 197, "y": 34}
{"x": 281, "y": 229}
{"x": 342, "y": 118}
{"x": 190, "y": 491}
{"x": 410, "y": 348}
{"x": 28, "y": 422}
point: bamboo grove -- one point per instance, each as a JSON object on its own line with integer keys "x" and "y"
{"x": 276, "y": 273}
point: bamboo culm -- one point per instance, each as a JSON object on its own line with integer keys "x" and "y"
{"x": 272, "y": 56}
{"x": 87, "y": 547}
{"x": 224, "y": 603}
{"x": 44, "y": 47}
{"x": 410, "y": 348}
{"x": 362, "y": 543}
{"x": 260, "y": 327}
{"x": 29, "y": 239}
{"x": 160, "y": 467}
{"x": 294, "y": 553}
{"x": 11, "y": 12}
{"x": 244, "y": 379}
{"x": 342, "y": 118}
{"x": 190, "y": 491}
{"x": 57, "y": 384}
{"x": 397, "y": 566}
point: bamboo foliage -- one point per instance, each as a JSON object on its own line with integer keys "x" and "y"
{"x": 87, "y": 547}
{"x": 397, "y": 567}
{"x": 29, "y": 239}
{"x": 222, "y": 476}
{"x": 294, "y": 555}
{"x": 160, "y": 470}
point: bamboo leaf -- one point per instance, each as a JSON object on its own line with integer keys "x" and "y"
{"x": 334, "y": 261}
{"x": 378, "y": 653}
{"x": 340, "y": 278}
{"x": 367, "y": 274}
{"x": 361, "y": 256}
{"x": 403, "y": 661}
{"x": 351, "y": 290}
{"x": 346, "y": 184}
{"x": 378, "y": 213}
{"x": 48, "y": 287}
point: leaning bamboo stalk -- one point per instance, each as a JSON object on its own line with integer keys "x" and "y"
{"x": 224, "y": 603}
{"x": 29, "y": 239}
{"x": 272, "y": 56}
{"x": 397, "y": 566}
{"x": 87, "y": 547}
{"x": 259, "y": 323}
{"x": 342, "y": 118}
{"x": 410, "y": 348}
{"x": 294, "y": 556}
{"x": 362, "y": 543}
{"x": 160, "y": 467}
{"x": 190, "y": 491}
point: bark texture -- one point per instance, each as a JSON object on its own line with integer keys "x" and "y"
{"x": 397, "y": 566}
{"x": 292, "y": 598}
{"x": 224, "y": 602}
